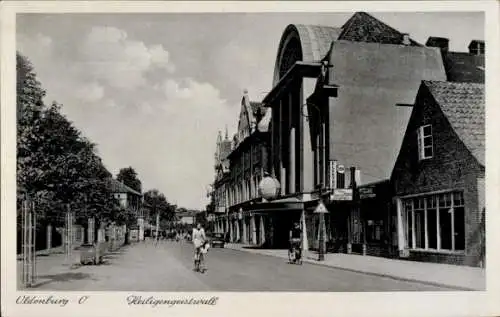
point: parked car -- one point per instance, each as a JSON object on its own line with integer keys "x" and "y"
{"x": 217, "y": 239}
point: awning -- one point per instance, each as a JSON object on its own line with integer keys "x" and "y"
{"x": 288, "y": 204}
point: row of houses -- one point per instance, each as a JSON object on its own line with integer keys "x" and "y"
{"x": 387, "y": 132}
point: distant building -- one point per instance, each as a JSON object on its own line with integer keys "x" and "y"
{"x": 439, "y": 175}
{"x": 221, "y": 186}
{"x": 129, "y": 199}
{"x": 187, "y": 217}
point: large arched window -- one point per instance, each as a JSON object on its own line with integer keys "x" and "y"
{"x": 291, "y": 54}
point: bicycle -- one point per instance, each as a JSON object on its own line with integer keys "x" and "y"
{"x": 199, "y": 260}
{"x": 295, "y": 254}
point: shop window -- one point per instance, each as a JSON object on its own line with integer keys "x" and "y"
{"x": 436, "y": 222}
{"x": 374, "y": 230}
{"x": 459, "y": 228}
{"x": 420, "y": 228}
{"x": 425, "y": 148}
{"x": 409, "y": 223}
{"x": 445, "y": 228}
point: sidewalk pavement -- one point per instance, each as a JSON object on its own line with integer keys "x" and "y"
{"x": 44, "y": 252}
{"x": 454, "y": 276}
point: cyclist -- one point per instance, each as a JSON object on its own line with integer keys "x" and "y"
{"x": 296, "y": 241}
{"x": 199, "y": 239}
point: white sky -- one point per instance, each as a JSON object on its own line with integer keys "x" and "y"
{"x": 153, "y": 89}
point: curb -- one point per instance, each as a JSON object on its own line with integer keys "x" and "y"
{"x": 398, "y": 278}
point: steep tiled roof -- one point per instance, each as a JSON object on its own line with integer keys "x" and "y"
{"x": 463, "y": 105}
{"x": 464, "y": 67}
{"x": 367, "y": 128}
{"x": 116, "y": 186}
{"x": 362, "y": 27}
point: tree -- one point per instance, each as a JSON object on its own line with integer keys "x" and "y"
{"x": 29, "y": 90}
{"x": 158, "y": 204}
{"x": 128, "y": 176}
{"x": 56, "y": 165}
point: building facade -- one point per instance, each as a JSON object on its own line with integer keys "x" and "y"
{"x": 439, "y": 176}
{"x": 333, "y": 108}
{"x": 247, "y": 165}
{"x": 221, "y": 186}
{"x": 130, "y": 199}
{"x": 341, "y": 102}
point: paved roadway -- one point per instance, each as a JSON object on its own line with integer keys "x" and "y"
{"x": 167, "y": 267}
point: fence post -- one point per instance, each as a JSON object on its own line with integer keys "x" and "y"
{"x": 33, "y": 212}
{"x": 25, "y": 242}
{"x": 49, "y": 236}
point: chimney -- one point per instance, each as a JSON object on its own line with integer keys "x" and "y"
{"x": 476, "y": 47}
{"x": 406, "y": 39}
{"x": 439, "y": 42}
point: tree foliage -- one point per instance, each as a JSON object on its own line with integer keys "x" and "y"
{"x": 56, "y": 165}
{"x": 157, "y": 203}
{"x": 128, "y": 176}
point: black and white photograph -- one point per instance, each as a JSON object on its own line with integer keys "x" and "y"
{"x": 250, "y": 151}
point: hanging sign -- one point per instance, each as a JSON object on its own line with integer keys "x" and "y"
{"x": 341, "y": 169}
{"x": 366, "y": 192}
{"x": 341, "y": 194}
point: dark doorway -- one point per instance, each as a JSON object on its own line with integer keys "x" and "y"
{"x": 283, "y": 223}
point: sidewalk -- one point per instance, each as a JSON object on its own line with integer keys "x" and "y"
{"x": 455, "y": 276}
{"x": 45, "y": 252}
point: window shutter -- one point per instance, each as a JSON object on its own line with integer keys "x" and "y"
{"x": 420, "y": 135}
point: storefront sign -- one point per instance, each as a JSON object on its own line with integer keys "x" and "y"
{"x": 221, "y": 210}
{"x": 341, "y": 194}
{"x": 366, "y": 192}
{"x": 333, "y": 174}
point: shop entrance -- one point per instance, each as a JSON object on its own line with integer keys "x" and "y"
{"x": 282, "y": 224}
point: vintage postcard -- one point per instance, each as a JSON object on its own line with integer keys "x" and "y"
{"x": 250, "y": 158}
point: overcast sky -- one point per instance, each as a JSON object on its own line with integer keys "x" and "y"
{"x": 152, "y": 90}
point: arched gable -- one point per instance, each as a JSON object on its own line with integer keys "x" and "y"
{"x": 308, "y": 43}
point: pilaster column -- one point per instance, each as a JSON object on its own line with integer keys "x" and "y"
{"x": 253, "y": 229}
{"x": 292, "y": 161}
{"x": 262, "y": 230}
{"x": 305, "y": 242}
{"x": 238, "y": 230}
{"x": 49, "y": 237}
{"x": 401, "y": 231}
{"x": 231, "y": 231}
{"x": 244, "y": 224}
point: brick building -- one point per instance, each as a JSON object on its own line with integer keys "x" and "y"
{"x": 439, "y": 175}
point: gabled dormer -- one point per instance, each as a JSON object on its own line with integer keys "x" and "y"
{"x": 249, "y": 112}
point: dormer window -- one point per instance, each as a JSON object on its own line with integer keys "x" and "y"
{"x": 425, "y": 146}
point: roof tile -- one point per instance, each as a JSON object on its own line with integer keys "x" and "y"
{"x": 464, "y": 106}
